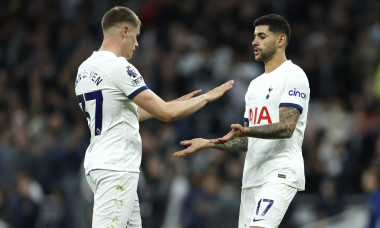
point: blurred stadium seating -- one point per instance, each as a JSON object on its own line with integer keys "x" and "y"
{"x": 185, "y": 45}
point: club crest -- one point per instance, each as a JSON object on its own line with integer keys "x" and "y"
{"x": 270, "y": 89}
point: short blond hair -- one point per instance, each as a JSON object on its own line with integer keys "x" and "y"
{"x": 119, "y": 14}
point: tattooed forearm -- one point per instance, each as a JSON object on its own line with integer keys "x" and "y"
{"x": 283, "y": 129}
{"x": 239, "y": 144}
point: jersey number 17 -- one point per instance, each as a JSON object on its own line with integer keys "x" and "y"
{"x": 98, "y": 97}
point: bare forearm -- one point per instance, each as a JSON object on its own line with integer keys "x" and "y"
{"x": 176, "y": 113}
{"x": 179, "y": 110}
{"x": 169, "y": 111}
{"x": 144, "y": 115}
{"x": 154, "y": 106}
{"x": 239, "y": 144}
{"x": 182, "y": 109}
{"x": 270, "y": 131}
{"x": 282, "y": 130}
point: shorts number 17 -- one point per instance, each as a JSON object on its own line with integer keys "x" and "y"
{"x": 270, "y": 203}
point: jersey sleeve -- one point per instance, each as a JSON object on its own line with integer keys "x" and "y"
{"x": 296, "y": 91}
{"x": 128, "y": 79}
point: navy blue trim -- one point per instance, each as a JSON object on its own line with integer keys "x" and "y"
{"x": 246, "y": 120}
{"x": 137, "y": 91}
{"x": 291, "y": 105}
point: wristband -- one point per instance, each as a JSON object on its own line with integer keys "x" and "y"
{"x": 243, "y": 131}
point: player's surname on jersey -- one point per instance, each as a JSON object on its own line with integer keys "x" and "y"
{"x": 91, "y": 75}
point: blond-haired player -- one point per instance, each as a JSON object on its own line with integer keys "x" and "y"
{"x": 114, "y": 98}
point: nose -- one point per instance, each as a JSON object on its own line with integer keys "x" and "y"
{"x": 136, "y": 44}
{"x": 254, "y": 42}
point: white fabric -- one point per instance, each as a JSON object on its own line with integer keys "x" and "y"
{"x": 265, "y": 206}
{"x": 116, "y": 203}
{"x": 105, "y": 85}
{"x": 279, "y": 160}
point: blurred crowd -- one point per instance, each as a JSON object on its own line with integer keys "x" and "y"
{"x": 184, "y": 45}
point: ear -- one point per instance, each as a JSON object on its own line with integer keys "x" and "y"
{"x": 124, "y": 31}
{"x": 282, "y": 40}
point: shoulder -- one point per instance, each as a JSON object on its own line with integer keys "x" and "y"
{"x": 123, "y": 67}
{"x": 83, "y": 65}
{"x": 295, "y": 69}
{"x": 88, "y": 62}
{"x": 296, "y": 73}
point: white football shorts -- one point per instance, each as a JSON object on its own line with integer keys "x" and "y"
{"x": 116, "y": 203}
{"x": 265, "y": 206}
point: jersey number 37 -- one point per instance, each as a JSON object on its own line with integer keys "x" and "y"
{"x": 98, "y": 97}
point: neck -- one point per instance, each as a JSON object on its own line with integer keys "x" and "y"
{"x": 111, "y": 45}
{"x": 274, "y": 62}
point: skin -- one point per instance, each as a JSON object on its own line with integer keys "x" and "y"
{"x": 144, "y": 115}
{"x": 121, "y": 39}
{"x": 269, "y": 48}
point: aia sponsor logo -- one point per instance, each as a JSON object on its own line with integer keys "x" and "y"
{"x": 258, "y": 115}
{"x": 295, "y": 93}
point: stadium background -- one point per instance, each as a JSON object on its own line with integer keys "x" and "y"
{"x": 185, "y": 45}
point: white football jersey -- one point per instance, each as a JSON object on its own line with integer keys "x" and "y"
{"x": 276, "y": 160}
{"x": 105, "y": 86}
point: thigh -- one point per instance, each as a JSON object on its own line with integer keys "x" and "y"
{"x": 135, "y": 218}
{"x": 267, "y": 204}
{"x": 247, "y": 206}
{"x": 115, "y": 199}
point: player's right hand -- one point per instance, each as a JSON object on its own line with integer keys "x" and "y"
{"x": 236, "y": 131}
{"x": 219, "y": 91}
{"x": 195, "y": 145}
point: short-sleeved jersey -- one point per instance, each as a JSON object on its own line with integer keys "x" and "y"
{"x": 276, "y": 160}
{"x": 105, "y": 86}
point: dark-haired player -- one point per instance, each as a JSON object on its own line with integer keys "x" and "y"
{"x": 274, "y": 125}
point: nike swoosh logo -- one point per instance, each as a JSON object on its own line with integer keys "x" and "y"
{"x": 256, "y": 220}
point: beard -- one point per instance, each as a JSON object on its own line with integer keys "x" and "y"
{"x": 267, "y": 53}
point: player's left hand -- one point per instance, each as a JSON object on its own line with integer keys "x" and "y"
{"x": 237, "y": 131}
{"x": 188, "y": 96}
{"x": 195, "y": 145}
{"x": 219, "y": 91}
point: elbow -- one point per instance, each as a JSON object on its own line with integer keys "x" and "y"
{"x": 244, "y": 149}
{"x": 288, "y": 133}
{"x": 168, "y": 118}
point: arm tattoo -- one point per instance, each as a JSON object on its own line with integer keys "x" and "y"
{"x": 281, "y": 130}
{"x": 239, "y": 144}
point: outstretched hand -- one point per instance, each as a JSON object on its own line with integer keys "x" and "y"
{"x": 237, "y": 131}
{"x": 188, "y": 96}
{"x": 195, "y": 145}
{"x": 219, "y": 91}
{"x": 144, "y": 115}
